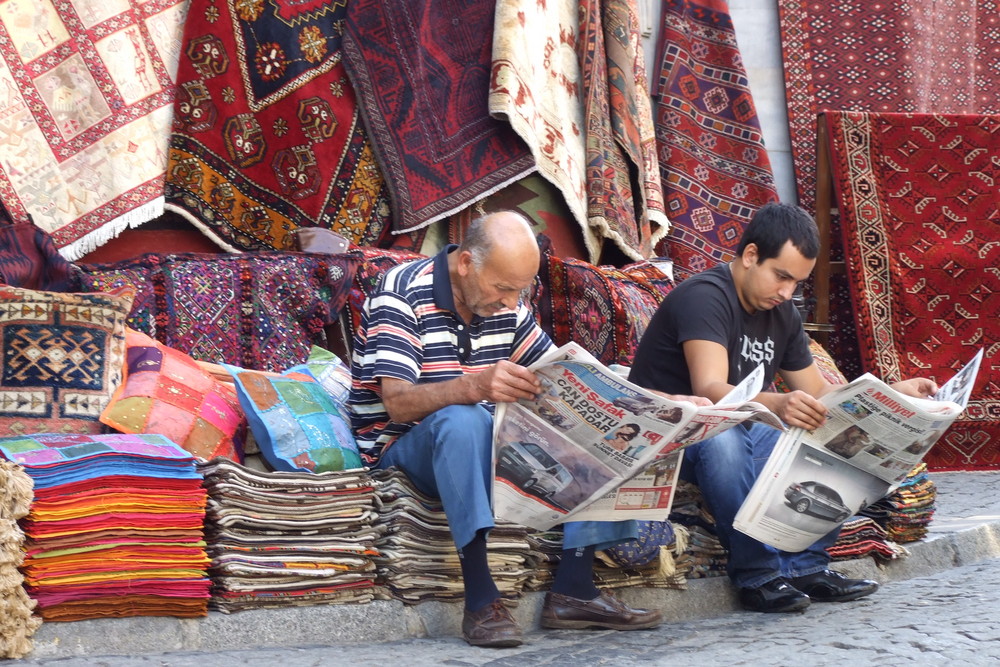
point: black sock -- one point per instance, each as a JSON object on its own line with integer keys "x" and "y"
{"x": 480, "y": 590}
{"x": 575, "y": 575}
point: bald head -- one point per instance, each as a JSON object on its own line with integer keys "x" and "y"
{"x": 503, "y": 237}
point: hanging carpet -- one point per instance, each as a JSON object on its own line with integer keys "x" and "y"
{"x": 713, "y": 164}
{"x": 421, "y": 70}
{"x": 267, "y": 136}
{"x": 930, "y": 57}
{"x": 880, "y": 57}
{"x": 571, "y": 87}
{"x": 921, "y": 219}
{"x": 85, "y": 94}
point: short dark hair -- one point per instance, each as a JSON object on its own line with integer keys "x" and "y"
{"x": 776, "y": 223}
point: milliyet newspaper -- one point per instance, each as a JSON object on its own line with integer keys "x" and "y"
{"x": 873, "y": 437}
{"x": 594, "y": 446}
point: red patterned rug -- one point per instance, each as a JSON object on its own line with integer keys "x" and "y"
{"x": 880, "y": 57}
{"x": 884, "y": 57}
{"x": 267, "y": 135}
{"x": 713, "y": 165}
{"x": 85, "y": 97}
{"x": 920, "y": 213}
{"x": 421, "y": 69}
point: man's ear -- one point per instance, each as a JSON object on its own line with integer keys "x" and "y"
{"x": 750, "y": 255}
{"x": 464, "y": 263}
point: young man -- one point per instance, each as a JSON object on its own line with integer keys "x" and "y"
{"x": 440, "y": 342}
{"x": 707, "y": 335}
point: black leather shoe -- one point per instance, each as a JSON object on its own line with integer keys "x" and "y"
{"x": 605, "y": 611}
{"x": 776, "y": 595}
{"x": 830, "y": 586}
{"x": 491, "y": 626}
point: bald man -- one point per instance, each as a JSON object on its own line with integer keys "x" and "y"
{"x": 441, "y": 341}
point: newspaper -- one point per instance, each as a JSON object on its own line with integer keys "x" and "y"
{"x": 873, "y": 436}
{"x": 594, "y": 446}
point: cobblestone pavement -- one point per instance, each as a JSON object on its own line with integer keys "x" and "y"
{"x": 950, "y": 618}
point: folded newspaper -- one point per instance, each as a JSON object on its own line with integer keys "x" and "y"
{"x": 594, "y": 446}
{"x": 873, "y": 436}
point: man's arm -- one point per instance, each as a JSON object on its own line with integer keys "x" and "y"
{"x": 708, "y": 365}
{"x": 503, "y": 382}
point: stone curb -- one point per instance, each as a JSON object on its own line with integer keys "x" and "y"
{"x": 952, "y": 543}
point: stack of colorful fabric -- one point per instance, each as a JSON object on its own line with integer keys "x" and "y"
{"x": 115, "y": 528}
{"x": 907, "y": 512}
{"x": 17, "y": 624}
{"x": 861, "y": 537}
{"x": 417, "y": 558}
{"x": 279, "y": 539}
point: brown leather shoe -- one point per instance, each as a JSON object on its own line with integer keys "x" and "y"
{"x": 605, "y": 611}
{"x": 491, "y": 626}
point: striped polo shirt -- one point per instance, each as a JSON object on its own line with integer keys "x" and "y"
{"x": 410, "y": 330}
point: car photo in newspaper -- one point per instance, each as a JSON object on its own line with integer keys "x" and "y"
{"x": 873, "y": 436}
{"x": 594, "y": 446}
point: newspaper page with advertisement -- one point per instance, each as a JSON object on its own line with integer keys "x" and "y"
{"x": 594, "y": 446}
{"x": 873, "y": 436}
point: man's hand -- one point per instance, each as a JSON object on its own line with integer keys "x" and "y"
{"x": 916, "y": 387}
{"x": 505, "y": 382}
{"x": 797, "y": 408}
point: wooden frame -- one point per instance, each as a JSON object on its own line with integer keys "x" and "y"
{"x": 819, "y": 327}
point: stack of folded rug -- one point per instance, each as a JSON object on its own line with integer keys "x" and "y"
{"x": 115, "y": 528}
{"x": 863, "y": 536}
{"x": 907, "y": 512}
{"x": 280, "y": 539}
{"x": 417, "y": 558}
{"x": 17, "y": 624}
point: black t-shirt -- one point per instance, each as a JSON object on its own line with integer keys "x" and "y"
{"x": 706, "y": 307}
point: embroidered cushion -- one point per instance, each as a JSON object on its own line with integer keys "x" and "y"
{"x": 295, "y": 422}
{"x": 164, "y": 391}
{"x": 62, "y": 358}
{"x": 604, "y": 309}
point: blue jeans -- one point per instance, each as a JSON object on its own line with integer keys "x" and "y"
{"x": 724, "y": 467}
{"x": 449, "y": 455}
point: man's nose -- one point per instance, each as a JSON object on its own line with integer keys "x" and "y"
{"x": 786, "y": 292}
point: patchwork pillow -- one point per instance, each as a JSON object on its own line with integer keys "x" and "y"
{"x": 604, "y": 309}
{"x": 261, "y": 310}
{"x": 327, "y": 369}
{"x": 165, "y": 391}
{"x": 62, "y": 358}
{"x": 295, "y": 422}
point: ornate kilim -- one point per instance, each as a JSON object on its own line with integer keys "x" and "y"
{"x": 85, "y": 114}
{"x": 421, "y": 69}
{"x": 536, "y": 85}
{"x": 261, "y": 311}
{"x": 880, "y": 57}
{"x": 713, "y": 165}
{"x": 941, "y": 57}
{"x": 574, "y": 89}
{"x": 267, "y": 135}
{"x": 624, "y": 197}
{"x": 61, "y": 358}
{"x": 921, "y": 219}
